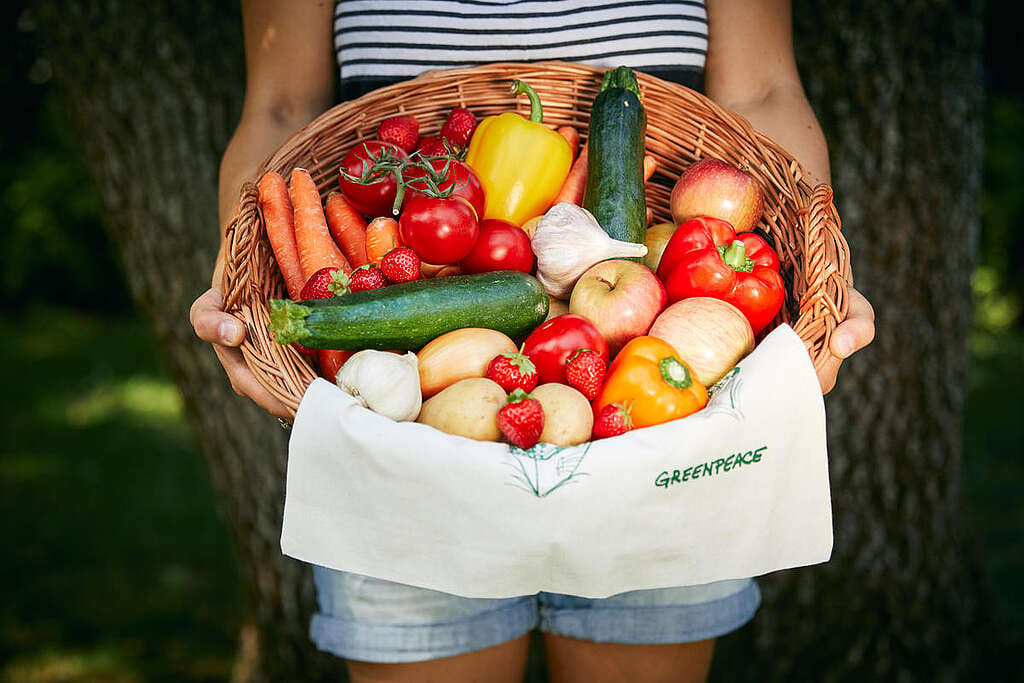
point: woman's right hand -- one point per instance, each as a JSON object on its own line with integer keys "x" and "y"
{"x": 226, "y": 333}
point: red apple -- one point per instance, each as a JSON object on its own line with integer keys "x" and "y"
{"x": 622, "y": 298}
{"x": 712, "y": 187}
{"x": 711, "y": 335}
{"x": 656, "y": 238}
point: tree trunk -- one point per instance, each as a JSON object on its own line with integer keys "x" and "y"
{"x": 154, "y": 89}
{"x": 897, "y": 89}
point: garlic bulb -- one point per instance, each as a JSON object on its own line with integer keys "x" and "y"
{"x": 569, "y": 240}
{"x": 384, "y": 382}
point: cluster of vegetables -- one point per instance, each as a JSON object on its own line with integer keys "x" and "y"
{"x": 518, "y": 271}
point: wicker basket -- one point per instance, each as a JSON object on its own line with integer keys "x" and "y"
{"x": 683, "y": 126}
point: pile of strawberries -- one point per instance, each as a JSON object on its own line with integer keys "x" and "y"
{"x": 521, "y": 420}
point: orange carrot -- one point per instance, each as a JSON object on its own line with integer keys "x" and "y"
{"x": 348, "y": 228}
{"x": 575, "y": 184}
{"x": 317, "y": 248}
{"x": 381, "y": 237}
{"x": 572, "y": 136}
{"x": 279, "y": 221}
{"x": 650, "y": 166}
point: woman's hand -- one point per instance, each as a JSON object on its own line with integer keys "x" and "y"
{"x": 226, "y": 333}
{"x": 851, "y": 335}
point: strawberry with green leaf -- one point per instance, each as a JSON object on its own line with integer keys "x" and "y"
{"x": 324, "y": 284}
{"x": 513, "y": 370}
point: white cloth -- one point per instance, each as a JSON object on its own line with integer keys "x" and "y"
{"x": 405, "y": 502}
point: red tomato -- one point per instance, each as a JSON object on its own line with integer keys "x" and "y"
{"x": 500, "y": 246}
{"x": 375, "y": 196}
{"x": 440, "y": 230}
{"x": 550, "y": 345}
{"x": 449, "y": 172}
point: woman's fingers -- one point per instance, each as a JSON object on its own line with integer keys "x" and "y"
{"x": 226, "y": 332}
{"x": 857, "y": 330}
{"x": 245, "y": 383}
{"x": 827, "y": 373}
{"x": 850, "y": 336}
{"x": 212, "y": 324}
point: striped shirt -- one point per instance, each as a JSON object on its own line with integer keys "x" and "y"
{"x": 383, "y": 41}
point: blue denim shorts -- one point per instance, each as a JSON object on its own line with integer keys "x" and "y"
{"x": 373, "y": 620}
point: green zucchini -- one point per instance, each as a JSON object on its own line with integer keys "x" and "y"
{"x": 615, "y": 164}
{"x": 408, "y": 315}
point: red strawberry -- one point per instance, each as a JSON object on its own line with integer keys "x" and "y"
{"x": 513, "y": 370}
{"x": 402, "y": 130}
{"x": 459, "y": 127}
{"x": 431, "y": 146}
{"x": 401, "y": 265}
{"x": 366, "y": 277}
{"x": 614, "y": 419}
{"x": 323, "y": 284}
{"x": 585, "y": 371}
{"x": 521, "y": 420}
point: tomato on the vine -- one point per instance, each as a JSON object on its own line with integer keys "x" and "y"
{"x": 367, "y": 177}
{"x": 500, "y": 246}
{"x": 552, "y": 344}
{"x": 450, "y": 176}
{"x": 441, "y": 230}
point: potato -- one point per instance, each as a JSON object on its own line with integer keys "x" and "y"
{"x": 568, "y": 417}
{"x": 467, "y": 408}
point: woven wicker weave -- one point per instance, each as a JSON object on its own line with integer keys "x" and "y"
{"x": 683, "y": 126}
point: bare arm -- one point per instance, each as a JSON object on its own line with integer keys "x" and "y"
{"x": 751, "y": 70}
{"x": 289, "y": 63}
{"x": 289, "y": 81}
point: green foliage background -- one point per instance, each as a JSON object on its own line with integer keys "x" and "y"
{"x": 122, "y": 565}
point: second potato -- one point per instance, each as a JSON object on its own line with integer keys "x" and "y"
{"x": 568, "y": 417}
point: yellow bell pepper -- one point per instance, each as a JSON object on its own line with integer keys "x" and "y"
{"x": 520, "y": 162}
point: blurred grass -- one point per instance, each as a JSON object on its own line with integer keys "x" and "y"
{"x": 994, "y": 473}
{"x": 117, "y": 563}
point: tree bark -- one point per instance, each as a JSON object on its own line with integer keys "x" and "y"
{"x": 154, "y": 89}
{"x": 897, "y": 89}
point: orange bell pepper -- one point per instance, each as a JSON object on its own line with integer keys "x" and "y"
{"x": 520, "y": 162}
{"x": 649, "y": 377}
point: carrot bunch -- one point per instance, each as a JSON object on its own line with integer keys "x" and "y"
{"x": 305, "y": 234}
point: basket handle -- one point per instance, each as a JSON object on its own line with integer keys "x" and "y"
{"x": 827, "y": 273}
{"x": 281, "y": 370}
{"x": 239, "y": 246}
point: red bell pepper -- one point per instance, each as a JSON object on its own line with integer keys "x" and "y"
{"x": 705, "y": 257}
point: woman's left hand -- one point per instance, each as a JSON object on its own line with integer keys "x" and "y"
{"x": 850, "y": 336}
